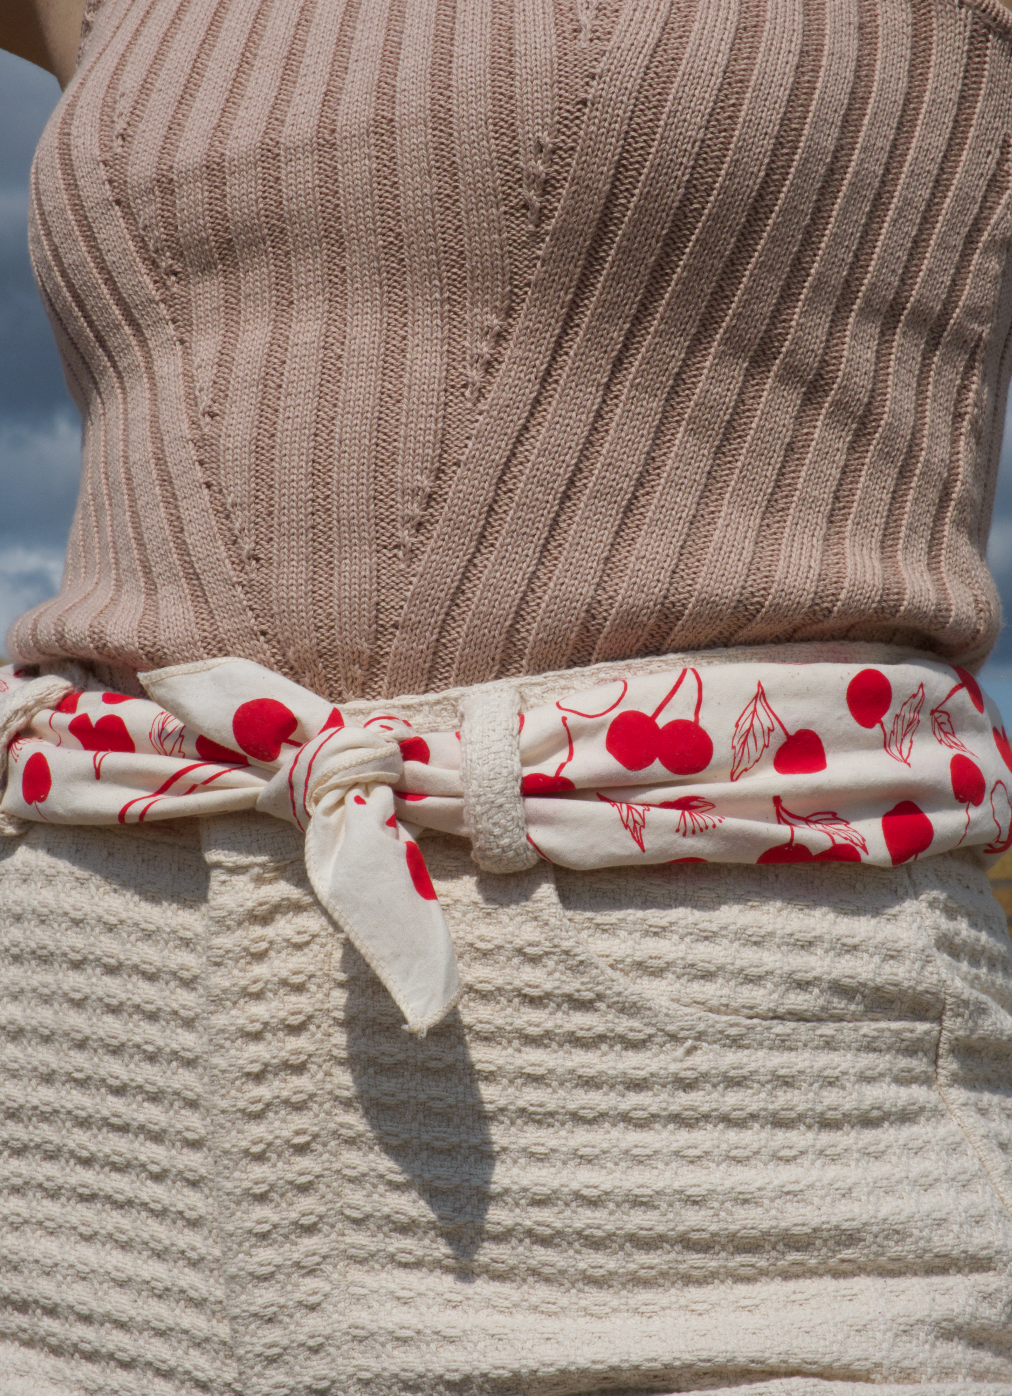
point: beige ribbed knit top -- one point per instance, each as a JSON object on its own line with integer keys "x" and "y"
{"x": 424, "y": 341}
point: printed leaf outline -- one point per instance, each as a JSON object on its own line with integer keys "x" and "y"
{"x": 826, "y": 821}
{"x": 753, "y": 729}
{"x": 633, "y": 817}
{"x": 166, "y": 734}
{"x": 943, "y": 730}
{"x": 694, "y": 814}
{"x": 900, "y": 740}
{"x": 1001, "y": 813}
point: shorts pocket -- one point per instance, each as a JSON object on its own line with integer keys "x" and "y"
{"x": 794, "y": 943}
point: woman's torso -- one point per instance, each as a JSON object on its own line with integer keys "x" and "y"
{"x": 421, "y": 343}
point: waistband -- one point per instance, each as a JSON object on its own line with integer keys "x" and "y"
{"x": 432, "y": 711}
{"x": 829, "y": 753}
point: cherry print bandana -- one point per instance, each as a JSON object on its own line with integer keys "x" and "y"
{"x": 729, "y": 762}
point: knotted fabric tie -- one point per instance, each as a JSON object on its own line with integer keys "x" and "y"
{"x": 338, "y": 789}
{"x": 729, "y": 762}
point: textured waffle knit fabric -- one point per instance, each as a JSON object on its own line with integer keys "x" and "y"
{"x": 691, "y": 1128}
{"x": 423, "y": 343}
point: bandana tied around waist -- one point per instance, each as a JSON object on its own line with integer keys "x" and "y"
{"x": 732, "y": 762}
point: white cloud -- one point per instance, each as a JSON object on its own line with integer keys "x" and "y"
{"x": 27, "y": 576}
{"x": 52, "y": 447}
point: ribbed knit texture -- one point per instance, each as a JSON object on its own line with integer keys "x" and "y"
{"x": 420, "y": 344}
{"x": 691, "y": 1129}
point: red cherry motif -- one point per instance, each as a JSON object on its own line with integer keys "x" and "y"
{"x": 36, "y": 779}
{"x": 633, "y": 739}
{"x": 221, "y": 755}
{"x": 112, "y": 698}
{"x": 684, "y": 747}
{"x": 68, "y": 703}
{"x": 972, "y": 688}
{"x": 907, "y": 831}
{"x": 415, "y": 749}
{"x": 1001, "y": 741}
{"x": 869, "y": 697}
{"x": 109, "y": 733}
{"x": 798, "y": 853}
{"x": 800, "y": 754}
{"x": 537, "y": 783}
{"x": 968, "y": 783}
{"x": 636, "y": 740}
{"x": 262, "y": 726}
{"x": 335, "y": 719}
{"x": 419, "y": 872}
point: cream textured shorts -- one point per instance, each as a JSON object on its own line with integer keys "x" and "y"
{"x": 692, "y": 1128}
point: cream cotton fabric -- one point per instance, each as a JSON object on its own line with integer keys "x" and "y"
{"x": 602, "y": 777}
{"x": 691, "y": 1128}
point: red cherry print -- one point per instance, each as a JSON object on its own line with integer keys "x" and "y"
{"x": 335, "y": 719}
{"x": 109, "y": 733}
{"x": 907, "y": 831}
{"x": 972, "y": 688}
{"x": 537, "y": 783}
{"x": 360, "y": 799}
{"x": 602, "y": 712}
{"x": 115, "y": 698}
{"x": 68, "y": 703}
{"x": 636, "y": 740}
{"x": 633, "y": 740}
{"x": 797, "y": 853}
{"x": 1001, "y": 741}
{"x": 968, "y": 783}
{"x": 786, "y": 853}
{"x": 262, "y": 726}
{"x": 869, "y": 696}
{"x": 839, "y": 853}
{"x": 685, "y": 748}
{"x": 221, "y": 755}
{"x": 36, "y": 779}
{"x": 419, "y": 872}
{"x": 800, "y": 754}
{"x": 415, "y": 749}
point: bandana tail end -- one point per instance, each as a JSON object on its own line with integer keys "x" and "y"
{"x": 404, "y": 939}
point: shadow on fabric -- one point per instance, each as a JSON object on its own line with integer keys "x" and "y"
{"x": 422, "y": 1100}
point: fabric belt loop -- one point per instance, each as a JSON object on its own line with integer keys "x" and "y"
{"x": 490, "y": 772}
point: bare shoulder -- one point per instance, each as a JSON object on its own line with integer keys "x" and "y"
{"x": 45, "y": 32}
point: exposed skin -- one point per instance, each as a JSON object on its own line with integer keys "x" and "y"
{"x": 45, "y": 32}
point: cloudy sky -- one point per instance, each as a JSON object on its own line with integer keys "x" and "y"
{"x": 39, "y": 427}
{"x": 40, "y": 438}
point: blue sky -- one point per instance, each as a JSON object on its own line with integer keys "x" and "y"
{"x": 40, "y": 438}
{"x": 40, "y": 430}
